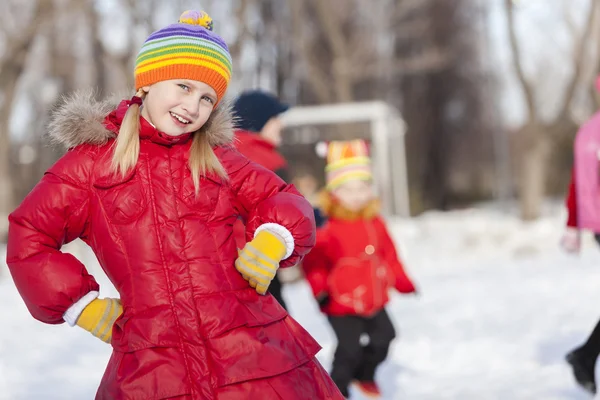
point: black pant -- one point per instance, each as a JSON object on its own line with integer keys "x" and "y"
{"x": 275, "y": 290}
{"x": 353, "y": 360}
{"x": 591, "y": 348}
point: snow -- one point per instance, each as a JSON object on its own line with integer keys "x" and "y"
{"x": 499, "y": 307}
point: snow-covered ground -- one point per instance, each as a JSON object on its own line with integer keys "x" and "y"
{"x": 500, "y": 305}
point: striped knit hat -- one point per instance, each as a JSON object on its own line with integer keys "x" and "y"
{"x": 188, "y": 49}
{"x": 346, "y": 161}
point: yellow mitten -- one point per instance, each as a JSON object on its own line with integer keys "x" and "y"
{"x": 259, "y": 260}
{"x": 99, "y": 317}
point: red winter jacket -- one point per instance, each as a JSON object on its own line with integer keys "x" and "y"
{"x": 354, "y": 263}
{"x": 191, "y": 324}
{"x": 262, "y": 152}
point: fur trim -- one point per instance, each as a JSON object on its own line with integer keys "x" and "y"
{"x": 220, "y": 125}
{"x": 78, "y": 119}
{"x": 332, "y": 208}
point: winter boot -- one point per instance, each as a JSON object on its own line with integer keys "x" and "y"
{"x": 368, "y": 389}
{"x": 583, "y": 369}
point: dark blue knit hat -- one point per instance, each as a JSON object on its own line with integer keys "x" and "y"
{"x": 254, "y": 108}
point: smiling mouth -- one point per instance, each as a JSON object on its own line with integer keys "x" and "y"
{"x": 180, "y": 118}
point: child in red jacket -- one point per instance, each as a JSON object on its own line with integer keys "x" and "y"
{"x": 154, "y": 186}
{"x": 352, "y": 266}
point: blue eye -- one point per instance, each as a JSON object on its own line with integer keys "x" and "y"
{"x": 184, "y": 87}
{"x": 209, "y": 99}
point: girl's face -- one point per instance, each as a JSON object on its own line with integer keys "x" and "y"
{"x": 354, "y": 195}
{"x": 178, "y": 106}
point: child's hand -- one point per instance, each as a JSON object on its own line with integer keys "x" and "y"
{"x": 571, "y": 241}
{"x": 99, "y": 317}
{"x": 259, "y": 260}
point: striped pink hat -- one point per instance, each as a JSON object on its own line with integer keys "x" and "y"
{"x": 346, "y": 161}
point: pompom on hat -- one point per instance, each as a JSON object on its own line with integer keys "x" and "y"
{"x": 346, "y": 161}
{"x": 188, "y": 49}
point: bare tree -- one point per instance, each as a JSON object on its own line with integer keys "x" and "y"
{"x": 243, "y": 26}
{"x": 98, "y": 50}
{"x": 337, "y": 43}
{"x": 537, "y": 134}
{"x": 18, "y": 38}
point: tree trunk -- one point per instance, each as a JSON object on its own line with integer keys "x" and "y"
{"x": 97, "y": 48}
{"x": 8, "y": 83}
{"x": 533, "y": 170}
{"x": 12, "y": 66}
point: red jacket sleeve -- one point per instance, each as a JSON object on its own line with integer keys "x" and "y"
{"x": 261, "y": 197}
{"x": 317, "y": 263}
{"x": 403, "y": 283}
{"x": 571, "y": 202}
{"x": 54, "y": 213}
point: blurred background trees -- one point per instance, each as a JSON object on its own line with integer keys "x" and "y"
{"x": 491, "y": 91}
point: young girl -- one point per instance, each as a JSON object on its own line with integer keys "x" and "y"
{"x": 153, "y": 187}
{"x": 352, "y": 266}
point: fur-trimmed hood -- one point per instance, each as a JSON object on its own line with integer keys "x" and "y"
{"x": 332, "y": 208}
{"x": 79, "y": 119}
